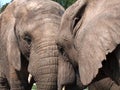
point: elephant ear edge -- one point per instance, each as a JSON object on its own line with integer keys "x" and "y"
{"x": 13, "y": 50}
{"x": 8, "y": 24}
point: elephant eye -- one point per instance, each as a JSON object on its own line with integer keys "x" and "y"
{"x": 62, "y": 51}
{"x": 27, "y": 38}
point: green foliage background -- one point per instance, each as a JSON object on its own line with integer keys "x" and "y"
{"x": 3, "y": 7}
{"x": 65, "y": 3}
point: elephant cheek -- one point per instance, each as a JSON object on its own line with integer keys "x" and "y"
{"x": 73, "y": 56}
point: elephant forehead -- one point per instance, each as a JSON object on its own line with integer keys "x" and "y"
{"x": 33, "y": 5}
{"x": 41, "y": 7}
{"x": 23, "y": 27}
{"x": 38, "y": 27}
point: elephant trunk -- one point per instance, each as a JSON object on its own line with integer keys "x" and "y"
{"x": 44, "y": 69}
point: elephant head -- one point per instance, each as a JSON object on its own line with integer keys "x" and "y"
{"x": 30, "y": 28}
{"x": 90, "y": 37}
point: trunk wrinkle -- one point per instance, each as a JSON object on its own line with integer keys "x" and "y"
{"x": 47, "y": 61}
{"x": 52, "y": 48}
{"x": 40, "y": 47}
{"x": 48, "y": 70}
{"x": 48, "y": 52}
{"x": 46, "y": 66}
{"x": 44, "y": 42}
{"x": 44, "y": 78}
{"x": 47, "y": 55}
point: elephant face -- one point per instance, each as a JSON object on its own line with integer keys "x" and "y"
{"x": 89, "y": 36}
{"x": 31, "y": 30}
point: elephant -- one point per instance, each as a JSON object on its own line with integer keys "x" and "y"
{"x": 89, "y": 37}
{"x": 104, "y": 84}
{"x": 28, "y": 32}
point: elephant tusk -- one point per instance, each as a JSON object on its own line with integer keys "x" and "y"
{"x": 63, "y": 88}
{"x": 29, "y": 78}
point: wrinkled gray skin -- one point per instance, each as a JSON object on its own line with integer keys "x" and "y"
{"x": 28, "y": 32}
{"x": 104, "y": 84}
{"x": 90, "y": 37}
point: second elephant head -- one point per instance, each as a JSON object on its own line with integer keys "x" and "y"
{"x": 90, "y": 37}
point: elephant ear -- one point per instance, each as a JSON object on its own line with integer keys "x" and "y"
{"x": 69, "y": 20}
{"x": 8, "y": 24}
{"x": 96, "y": 39}
{"x": 12, "y": 49}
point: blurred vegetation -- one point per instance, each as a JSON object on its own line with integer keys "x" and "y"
{"x": 34, "y": 87}
{"x": 65, "y": 3}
